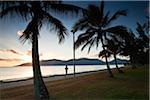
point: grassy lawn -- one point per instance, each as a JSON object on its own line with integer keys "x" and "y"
{"x": 131, "y": 85}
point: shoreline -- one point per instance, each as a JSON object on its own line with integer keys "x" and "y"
{"x": 29, "y": 81}
{"x": 47, "y": 76}
{"x": 5, "y": 84}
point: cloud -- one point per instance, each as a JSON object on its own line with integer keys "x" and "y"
{"x": 41, "y": 54}
{"x": 10, "y": 51}
{"x": 8, "y": 60}
{"x": 20, "y": 32}
{"x": 15, "y": 52}
{"x": 29, "y": 53}
{"x": 94, "y": 55}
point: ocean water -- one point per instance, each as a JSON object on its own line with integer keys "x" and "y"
{"x": 23, "y": 72}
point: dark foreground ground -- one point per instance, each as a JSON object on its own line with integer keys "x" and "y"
{"x": 131, "y": 85}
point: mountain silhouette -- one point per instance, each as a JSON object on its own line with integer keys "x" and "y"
{"x": 80, "y": 61}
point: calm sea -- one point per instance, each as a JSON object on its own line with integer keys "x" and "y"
{"x": 15, "y": 73}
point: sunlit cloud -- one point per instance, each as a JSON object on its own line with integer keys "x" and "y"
{"x": 10, "y": 60}
{"x": 10, "y": 51}
{"x": 26, "y": 58}
{"x": 20, "y": 32}
{"x": 29, "y": 53}
{"x": 14, "y": 57}
{"x": 41, "y": 54}
{"x": 94, "y": 55}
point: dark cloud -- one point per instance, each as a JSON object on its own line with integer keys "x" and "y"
{"x": 15, "y": 52}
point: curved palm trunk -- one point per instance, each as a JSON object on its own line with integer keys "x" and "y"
{"x": 109, "y": 70}
{"x": 119, "y": 70}
{"x": 41, "y": 91}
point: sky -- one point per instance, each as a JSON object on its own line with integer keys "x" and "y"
{"x": 13, "y": 52}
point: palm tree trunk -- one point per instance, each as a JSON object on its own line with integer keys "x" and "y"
{"x": 41, "y": 92}
{"x": 109, "y": 70}
{"x": 133, "y": 60}
{"x": 119, "y": 70}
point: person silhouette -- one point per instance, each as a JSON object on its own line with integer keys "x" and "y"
{"x": 66, "y": 68}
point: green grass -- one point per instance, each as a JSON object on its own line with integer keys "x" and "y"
{"x": 131, "y": 85}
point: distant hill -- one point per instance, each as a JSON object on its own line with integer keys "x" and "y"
{"x": 86, "y": 61}
{"x": 80, "y": 61}
{"x": 52, "y": 62}
{"x": 119, "y": 61}
{"x": 25, "y": 64}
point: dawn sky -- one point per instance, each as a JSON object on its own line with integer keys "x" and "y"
{"x": 13, "y": 52}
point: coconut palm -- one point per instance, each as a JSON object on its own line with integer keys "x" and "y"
{"x": 39, "y": 14}
{"x": 113, "y": 46}
{"x": 95, "y": 25}
{"x": 142, "y": 42}
{"x": 137, "y": 46}
{"x": 130, "y": 49}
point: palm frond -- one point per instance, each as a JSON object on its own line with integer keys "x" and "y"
{"x": 28, "y": 32}
{"x": 66, "y": 8}
{"x": 105, "y": 19}
{"x": 81, "y": 24}
{"x": 104, "y": 53}
{"x": 147, "y": 27}
{"x": 118, "y": 30}
{"x": 56, "y": 25}
{"x": 143, "y": 37}
{"x": 117, "y": 15}
{"x": 140, "y": 29}
{"x": 101, "y": 9}
{"x": 98, "y": 39}
{"x": 91, "y": 44}
{"x": 86, "y": 44}
{"x": 94, "y": 15}
{"x": 83, "y": 38}
{"x": 22, "y": 10}
{"x": 46, "y": 4}
{"x": 96, "y": 22}
{"x": 6, "y": 4}
{"x": 112, "y": 46}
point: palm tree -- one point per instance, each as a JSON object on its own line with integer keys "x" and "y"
{"x": 39, "y": 14}
{"x": 96, "y": 26}
{"x": 114, "y": 47}
{"x": 137, "y": 46}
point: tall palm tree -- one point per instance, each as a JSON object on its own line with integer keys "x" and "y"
{"x": 96, "y": 26}
{"x": 39, "y": 14}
